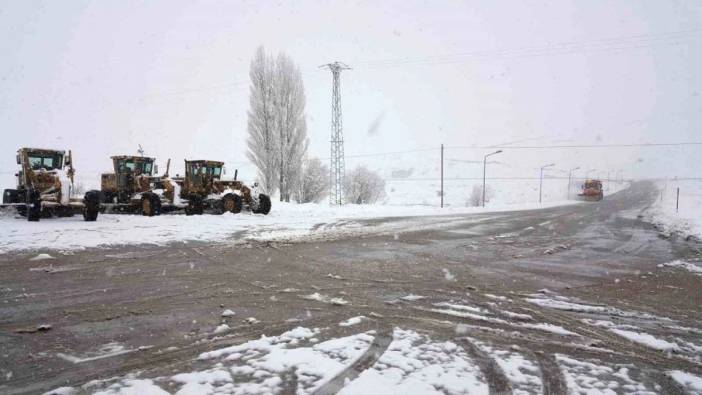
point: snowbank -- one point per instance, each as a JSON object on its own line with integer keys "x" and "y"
{"x": 687, "y": 218}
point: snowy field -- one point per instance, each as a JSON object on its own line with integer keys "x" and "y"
{"x": 687, "y": 219}
{"x": 285, "y": 222}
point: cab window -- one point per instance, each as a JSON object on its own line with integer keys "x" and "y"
{"x": 147, "y": 168}
{"x": 216, "y": 171}
{"x": 37, "y": 162}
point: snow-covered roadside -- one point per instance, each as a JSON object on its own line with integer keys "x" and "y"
{"x": 286, "y": 221}
{"x": 687, "y": 218}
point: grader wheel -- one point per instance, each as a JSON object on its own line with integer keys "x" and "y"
{"x": 231, "y": 203}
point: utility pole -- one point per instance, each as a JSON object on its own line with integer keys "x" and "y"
{"x": 541, "y": 178}
{"x": 570, "y": 173}
{"x": 608, "y": 180}
{"x": 442, "y": 176}
{"x": 484, "y": 165}
{"x": 337, "y": 168}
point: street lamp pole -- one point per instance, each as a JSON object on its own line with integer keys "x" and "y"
{"x": 541, "y": 178}
{"x": 570, "y": 173}
{"x": 484, "y": 165}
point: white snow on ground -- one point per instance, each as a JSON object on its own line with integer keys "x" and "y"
{"x": 41, "y": 257}
{"x": 559, "y": 330}
{"x": 646, "y": 340}
{"x": 254, "y": 367}
{"x": 133, "y": 387}
{"x": 497, "y": 297}
{"x": 558, "y": 302}
{"x": 455, "y": 306}
{"x": 222, "y": 329}
{"x": 680, "y": 346}
{"x": 688, "y": 218}
{"x": 524, "y": 375}
{"x": 412, "y": 297}
{"x": 479, "y": 314}
{"x": 689, "y": 266}
{"x": 567, "y": 306}
{"x": 448, "y": 275}
{"x": 474, "y": 313}
{"x": 584, "y": 377}
{"x": 228, "y": 313}
{"x": 691, "y": 383}
{"x": 353, "y": 321}
{"x": 518, "y": 316}
{"x": 286, "y": 221}
{"x": 413, "y": 364}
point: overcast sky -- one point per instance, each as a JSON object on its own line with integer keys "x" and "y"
{"x": 101, "y": 77}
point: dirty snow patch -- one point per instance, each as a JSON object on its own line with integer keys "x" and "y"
{"x": 106, "y": 351}
{"x": 222, "y": 329}
{"x": 353, "y": 321}
{"x": 326, "y": 299}
{"x": 689, "y": 266}
{"x": 523, "y": 374}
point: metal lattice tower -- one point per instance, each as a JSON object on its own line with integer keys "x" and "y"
{"x": 337, "y": 168}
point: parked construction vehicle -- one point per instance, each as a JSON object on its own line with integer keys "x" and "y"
{"x": 134, "y": 187}
{"x": 203, "y": 188}
{"x": 591, "y": 191}
{"x": 45, "y": 187}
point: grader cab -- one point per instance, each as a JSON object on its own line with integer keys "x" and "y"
{"x": 45, "y": 187}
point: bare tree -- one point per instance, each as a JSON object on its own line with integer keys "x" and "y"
{"x": 289, "y": 123}
{"x": 363, "y": 186}
{"x": 313, "y": 184}
{"x": 263, "y": 147}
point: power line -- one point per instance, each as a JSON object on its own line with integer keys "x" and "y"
{"x": 602, "y": 45}
{"x": 692, "y": 143}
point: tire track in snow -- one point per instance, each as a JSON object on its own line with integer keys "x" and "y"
{"x": 551, "y": 375}
{"x": 495, "y": 377}
{"x": 380, "y": 344}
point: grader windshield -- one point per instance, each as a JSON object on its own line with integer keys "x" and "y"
{"x": 46, "y": 160}
{"x": 205, "y": 168}
{"x": 134, "y": 165}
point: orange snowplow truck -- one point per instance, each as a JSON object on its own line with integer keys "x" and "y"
{"x": 592, "y": 191}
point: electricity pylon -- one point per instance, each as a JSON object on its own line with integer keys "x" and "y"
{"x": 337, "y": 168}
